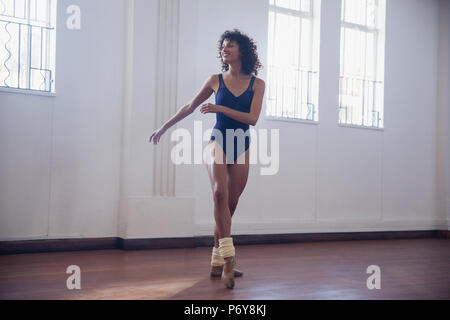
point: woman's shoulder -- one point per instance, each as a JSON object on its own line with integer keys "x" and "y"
{"x": 214, "y": 78}
{"x": 258, "y": 79}
{"x": 214, "y": 82}
{"x": 259, "y": 82}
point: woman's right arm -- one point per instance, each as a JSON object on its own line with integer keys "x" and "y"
{"x": 185, "y": 111}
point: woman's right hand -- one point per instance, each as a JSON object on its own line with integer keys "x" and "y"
{"x": 156, "y": 136}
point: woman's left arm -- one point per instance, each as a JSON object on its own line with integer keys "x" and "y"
{"x": 250, "y": 118}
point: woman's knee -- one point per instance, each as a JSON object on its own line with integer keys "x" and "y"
{"x": 220, "y": 194}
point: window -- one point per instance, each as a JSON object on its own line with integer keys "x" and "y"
{"x": 361, "y": 83}
{"x": 293, "y": 60}
{"x": 27, "y": 45}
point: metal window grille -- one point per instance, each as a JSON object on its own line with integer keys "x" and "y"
{"x": 361, "y": 85}
{"x": 27, "y": 44}
{"x": 292, "y": 82}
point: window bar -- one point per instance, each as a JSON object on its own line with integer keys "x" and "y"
{"x": 299, "y": 73}
{"x": 47, "y": 40}
{"x": 308, "y": 96}
{"x": 299, "y": 89}
{"x": 346, "y": 114}
{"x": 9, "y": 54}
{"x": 366, "y": 11}
{"x": 44, "y": 76}
{"x": 340, "y": 98}
{"x": 41, "y": 61}
{"x": 375, "y": 71}
{"x": 18, "y": 66}
{"x": 352, "y": 86}
{"x": 277, "y": 101}
{"x": 350, "y": 113}
{"x": 311, "y": 35}
{"x": 311, "y": 64}
{"x": 363, "y": 100}
{"x": 369, "y": 106}
{"x": 343, "y": 44}
{"x": 342, "y": 94}
{"x": 276, "y": 89}
{"x": 296, "y": 93}
{"x": 346, "y": 104}
{"x": 283, "y": 110}
{"x": 30, "y": 35}
{"x": 372, "y": 107}
{"x": 305, "y": 93}
{"x": 365, "y": 81}
{"x": 314, "y": 94}
{"x": 308, "y": 108}
{"x": 352, "y": 105}
{"x": 274, "y": 52}
{"x": 373, "y": 99}
{"x": 312, "y": 104}
{"x": 30, "y": 40}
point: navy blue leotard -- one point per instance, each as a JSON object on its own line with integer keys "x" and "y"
{"x": 239, "y": 138}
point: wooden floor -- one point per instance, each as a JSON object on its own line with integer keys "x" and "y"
{"x": 410, "y": 269}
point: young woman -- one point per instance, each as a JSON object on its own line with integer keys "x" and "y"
{"x": 239, "y": 96}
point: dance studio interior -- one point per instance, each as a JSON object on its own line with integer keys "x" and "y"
{"x": 107, "y": 111}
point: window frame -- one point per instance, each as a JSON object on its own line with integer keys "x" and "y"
{"x": 376, "y": 32}
{"x": 27, "y": 21}
{"x": 310, "y": 14}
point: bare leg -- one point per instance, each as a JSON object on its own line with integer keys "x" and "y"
{"x": 232, "y": 204}
{"x": 217, "y": 173}
{"x": 237, "y": 180}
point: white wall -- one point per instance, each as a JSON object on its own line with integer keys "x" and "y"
{"x": 344, "y": 179}
{"x": 59, "y": 168}
{"x": 447, "y": 106}
{"x": 443, "y": 112}
{"x": 78, "y": 165}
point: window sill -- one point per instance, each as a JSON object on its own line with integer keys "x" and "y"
{"x": 271, "y": 118}
{"x": 27, "y": 92}
{"x": 359, "y": 127}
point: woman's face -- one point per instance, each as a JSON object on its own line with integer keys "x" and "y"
{"x": 230, "y": 51}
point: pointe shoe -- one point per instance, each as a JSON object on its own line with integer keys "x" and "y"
{"x": 228, "y": 277}
{"x": 216, "y": 272}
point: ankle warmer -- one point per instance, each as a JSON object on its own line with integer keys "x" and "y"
{"x": 226, "y": 247}
{"x": 216, "y": 258}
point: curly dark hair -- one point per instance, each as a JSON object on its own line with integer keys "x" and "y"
{"x": 247, "y": 46}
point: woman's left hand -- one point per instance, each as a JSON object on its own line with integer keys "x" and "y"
{"x": 209, "y": 108}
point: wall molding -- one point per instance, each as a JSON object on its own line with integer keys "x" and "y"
{"x": 166, "y": 103}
